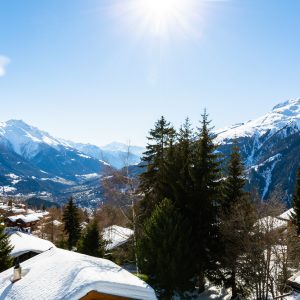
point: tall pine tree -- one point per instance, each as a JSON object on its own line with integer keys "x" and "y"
{"x": 92, "y": 241}
{"x": 203, "y": 205}
{"x": 71, "y": 223}
{"x": 296, "y": 204}
{"x": 233, "y": 188}
{"x": 178, "y": 167}
{"x": 165, "y": 251}
{"x": 232, "y": 228}
{"x": 5, "y": 249}
{"x": 153, "y": 182}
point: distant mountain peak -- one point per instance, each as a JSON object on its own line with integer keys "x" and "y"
{"x": 283, "y": 114}
{"x": 287, "y": 104}
{"x": 17, "y": 122}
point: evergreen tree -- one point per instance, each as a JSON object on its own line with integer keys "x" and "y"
{"x": 153, "y": 182}
{"x": 165, "y": 251}
{"x": 204, "y": 202}
{"x": 238, "y": 241}
{"x": 92, "y": 242}
{"x": 178, "y": 166}
{"x": 232, "y": 229}
{"x": 5, "y": 249}
{"x": 233, "y": 188}
{"x": 71, "y": 223}
{"x": 296, "y": 204}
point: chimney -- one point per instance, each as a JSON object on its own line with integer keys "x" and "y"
{"x": 17, "y": 271}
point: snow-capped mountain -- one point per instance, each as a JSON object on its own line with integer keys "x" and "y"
{"x": 270, "y": 146}
{"x": 34, "y": 162}
{"x": 283, "y": 115}
{"x": 25, "y": 140}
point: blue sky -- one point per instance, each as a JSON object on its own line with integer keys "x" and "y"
{"x": 82, "y": 70}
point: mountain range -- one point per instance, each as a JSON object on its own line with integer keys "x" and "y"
{"x": 34, "y": 163}
{"x": 270, "y": 147}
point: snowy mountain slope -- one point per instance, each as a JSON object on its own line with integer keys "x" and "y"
{"x": 32, "y": 162}
{"x": 25, "y": 140}
{"x": 284, "y": 115}
{"x": 270, "y": 146}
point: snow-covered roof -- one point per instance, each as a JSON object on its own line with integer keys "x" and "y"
{"x": 294, "y": 296}
{"x": 270, "y": 223}
{"x": 18, "y": 210}
{"x": 62, "y": 274}
{"x": 57, "y": 223}
{"x": 23, "y": 243}
{"x": 116, "y": 236}
{"x": 287, "y": 215}
{"x": 30, "y": 218}
{"x": 26, "y": 218}
{"x": 15, "y": 218}
{"x": 294, "y": 282}
{"x": 4, "y": 207}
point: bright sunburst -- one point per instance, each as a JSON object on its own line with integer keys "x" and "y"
{"x": 160, "y": 18}
{"x": 161, "y": 14}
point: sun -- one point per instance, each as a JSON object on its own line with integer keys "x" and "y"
{"x": 161, "y": 16}
{"x": 158, "y": 18}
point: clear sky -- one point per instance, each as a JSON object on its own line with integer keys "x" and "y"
{"x": 103, "y": 70}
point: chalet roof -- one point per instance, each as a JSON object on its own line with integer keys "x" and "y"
{"x": 287, "y": 215}
{"x": 18, "y": 210}
{"x": 116, "y": 236}
{"x": 24, "y": 242}
{"x": 294, "y": 296}
{"x": 4, "y": 206}
{"x": 62, "y": 274}
{"x": 270, "y": 223}
{"x": 30, "y": 218}
{"x": 25, "y": 218}
{"x": 15, "y": 218}
{"x": 294, "y": 282}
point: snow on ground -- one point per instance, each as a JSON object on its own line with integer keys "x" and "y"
{"x": 270, "y": 159}
{"x": 58, "y": 179}
{"x": 267, "y": 174}
{"x": 24, "y": 242}
{"x": 6, "y": 189}
{"x": 104, "y": 162}
{"x": 62, "y": 274}
{"x": 294, "y": 296}
{"x": 211, "y": 292}
{"x": 116, "y": 236}
{"x": 88, "y": 176}
{"x": 83, "y": 155}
